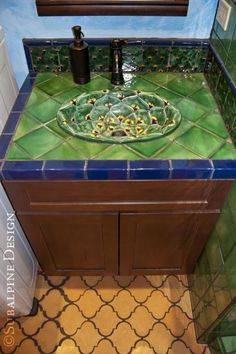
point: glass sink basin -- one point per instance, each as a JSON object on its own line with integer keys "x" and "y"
{"x": 118, "y": 116}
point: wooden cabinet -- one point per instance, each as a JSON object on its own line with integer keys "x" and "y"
{"x": 162, "y": 242}
{"x": 74, "y": 243}
{"x": 117, "y": 227}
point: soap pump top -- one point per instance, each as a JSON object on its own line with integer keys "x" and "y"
{"x": 79, "y": 57}
{"x": 78, "y": 36}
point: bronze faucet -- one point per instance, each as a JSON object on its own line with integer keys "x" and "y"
{"x": 117, "y": 61}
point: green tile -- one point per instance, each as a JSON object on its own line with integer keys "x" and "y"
{"x": 45, "y": 111}
{"x": 222, "y": 292}
{"x": 205, "y": 98}
{"x": 63, "y": 152}
{"x": 138, "y": 83}
{"x": 226, "y": 231}
{"x": 53, "y": 125}
{"x": 230, "y": 268}
{"x": 168, "y": 95}
{"x": 175, "y": 151}
{"x": 214, "y": 123}
{"x": 26, "y": 124}
{"x": 150, "y": 148}
{"x": 200, "y": 142}
{"x": 16, "y": 153}
{"x": 88, "y": 149}
{"x": 191, "y": 110}
{"x": 41, "y": 77}
{"x": 39, "y": 142}
{"x": 118, "y": 152}
{"x": 213, "y": 253}
{"x": 186, "y": 85}
{"x": 184, "y": 126}
{"x": 68, "y": 95}
{"x": 36, "y": 97}
{"x": 159, "y": 78}
{"x": 55, "y": 85}
{"x": 227, "y": 151}
{"x": 97, "y": 83}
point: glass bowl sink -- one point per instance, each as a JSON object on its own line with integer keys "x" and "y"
{"x": 118, "y": 116}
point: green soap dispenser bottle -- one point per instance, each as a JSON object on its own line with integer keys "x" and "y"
{"x": 79, "y": 57}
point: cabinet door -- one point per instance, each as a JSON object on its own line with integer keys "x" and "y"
{"x": 162, "y": 243}
{"x": 74, "y": 243}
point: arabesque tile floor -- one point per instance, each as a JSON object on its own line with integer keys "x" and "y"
{"x": 108, "y": 315}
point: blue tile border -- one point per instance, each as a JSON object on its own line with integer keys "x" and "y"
{"x": 64, "y": 169}
{"x": 107, "y": 169}
{"x": 11, "y": 123}
{"x": 149, "y": 169}
{"x": 119, "y": 169}
{"x": 4, "y": 143}
{"x": 22, "y": 170}
{"x": 196, "y": 169}
{"x": 224, "y": 169}
{"x": 20, "y": 102}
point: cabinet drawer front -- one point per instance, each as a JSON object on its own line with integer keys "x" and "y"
{"x": 116, "y": 195}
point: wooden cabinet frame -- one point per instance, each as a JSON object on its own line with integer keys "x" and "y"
{"x": 112, "y": 7}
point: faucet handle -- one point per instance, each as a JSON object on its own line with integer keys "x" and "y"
{"x": 117, "y": 42}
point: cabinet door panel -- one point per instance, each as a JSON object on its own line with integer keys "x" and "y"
{"x": 162, "y": 243}
{"x": 74, "y": 243}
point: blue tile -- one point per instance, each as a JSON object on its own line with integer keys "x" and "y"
{"x": 28, "y": 56}
{"x": 11, "y": 123}
{"x": 21, "y": 170}
{"x": 64, "y": 169}
{"x": 107, "y": 169}
{"x": 1, "y": 176}
{"x": 20, "y": 102}
{"x": 149, "y": 169}
{"x": 196, "y": 169}
{"x": 157, "y": 42}
{"x": 224, "y": 169}
{"x": 4, "y": 142}
{"x": 27, "y": 85}
{"x": 190, "y": 43}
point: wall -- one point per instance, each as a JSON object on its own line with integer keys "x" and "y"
{"x": 19, "y": 19}
{"x": 225, "y": 42}
{"x": 214, "y": 279}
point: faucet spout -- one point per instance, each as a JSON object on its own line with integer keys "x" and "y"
{"x": 117, "y": 77}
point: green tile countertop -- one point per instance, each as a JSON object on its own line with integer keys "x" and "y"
{"x": 201, "y": 134}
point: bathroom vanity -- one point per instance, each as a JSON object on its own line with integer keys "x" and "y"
{"x": 91, "y": 206}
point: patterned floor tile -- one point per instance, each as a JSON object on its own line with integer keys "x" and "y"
{"x": 108, "y": 315}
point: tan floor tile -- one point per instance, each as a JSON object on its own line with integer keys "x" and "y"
{"x": 124, "y": 281}
{"x": 158, "y": 304}
{"x": 107, "y": 288}
{"x": 71, "y": 319}
{"x": 124, "y": 304}
{"x": 142, "y": 347}
{"x": 185, "y": 303}
{"x": 189, "y": 338}
{"x": 89, "y": 303}
{"x": 156, "y": 280}
{"x": 57, "y": 280}
{"x": 142, "y": 321}
{"x": 74, "y": 288}
{"x": 67, "y": 347}
{"x": 123, "y": 338}
{"x": 106, "y": 320}
{"x": 49, "y": 337}
{"x": 179, "y": 347}
{"x": 42, "y": 286}
{"x": 92, "y": 281}
{"x": 87, "y": 337}
{"x": 31, "y": 324}
{"x": 160, "y": 338}
{"x": 53, "y": 303}
{"x": 177, "y": 321}
{"x": 173, "y": 289}
{"x": 105, "y": 347}
{"x": 140, "y": 289}
{"x": 27, "y": 347}
{"x": 10, "y": 336}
